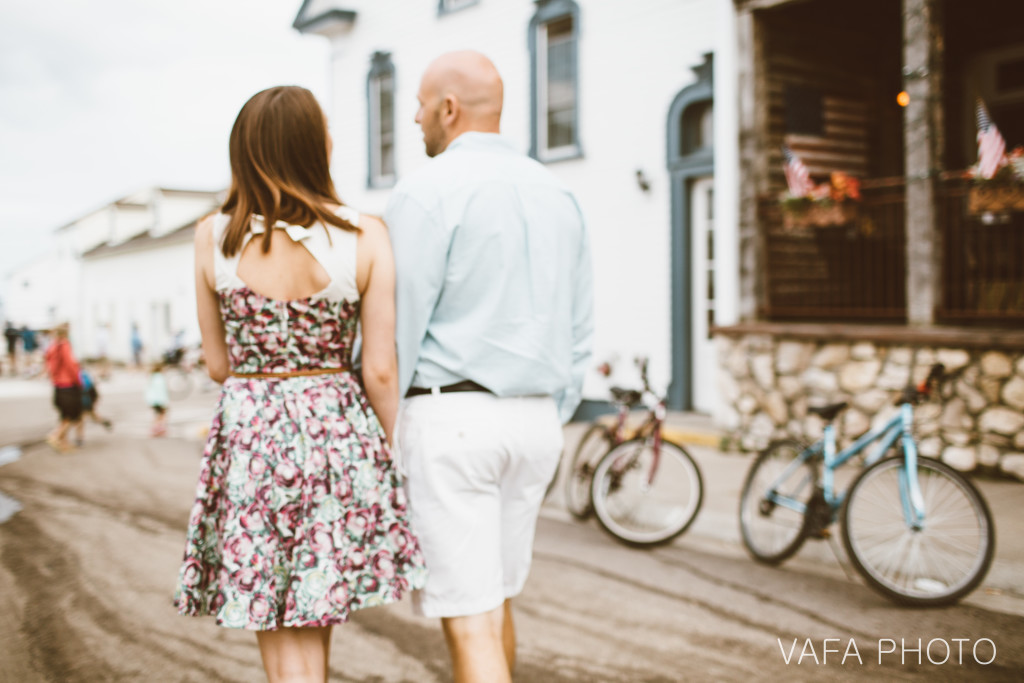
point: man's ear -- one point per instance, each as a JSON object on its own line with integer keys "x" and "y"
{"x": 450, "y": 109}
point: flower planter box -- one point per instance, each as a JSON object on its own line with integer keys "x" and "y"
{"x": 819, "y": 215}
{"x": 995, "y": 198}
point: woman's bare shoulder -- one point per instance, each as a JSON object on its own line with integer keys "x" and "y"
{"x": 372, "y": 230}
{"x": 372, "y": 224}
{"x": 204, "y": 229}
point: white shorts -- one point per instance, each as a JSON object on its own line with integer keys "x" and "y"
{"x": 477, "y": 467}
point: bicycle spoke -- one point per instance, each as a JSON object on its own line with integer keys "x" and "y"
{"x": 935, "y": 563}
{"x": 778, "y": 482}
{"x": 637, "y": 509}
{"x": 949, "y": 566}
{"x": 595, "y": 442}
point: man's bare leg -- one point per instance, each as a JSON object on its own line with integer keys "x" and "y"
{"x": 476, "y": 646}
{"x": 508, "y": 637}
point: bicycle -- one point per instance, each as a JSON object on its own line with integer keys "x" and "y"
{"x": 179, "y": 364}
{"x": 915, "y": 529}
{"x": 600, "y": 437}
{"x": 643, "y": 489}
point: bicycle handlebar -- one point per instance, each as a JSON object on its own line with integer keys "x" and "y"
{"x": 916, "y": 394}
{"x": 630, "y": 397}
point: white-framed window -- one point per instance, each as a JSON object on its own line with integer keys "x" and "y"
{"x": 446, "y": 6}
{"x": 555, "y": 78}
{"x": 381, "y": 120}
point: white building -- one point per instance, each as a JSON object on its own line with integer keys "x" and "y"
{"x": 617, "y": 98}
{"x": 32, "y": 293}
{"x": 129, "y": 262}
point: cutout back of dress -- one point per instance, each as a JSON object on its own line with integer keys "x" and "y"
{"x": 303, "y": 263}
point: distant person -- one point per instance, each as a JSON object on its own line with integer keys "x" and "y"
{"x": 157, "y": 399}
{"x": 90, "y": 397}
{"x": 62, "y": 367}
{"x": 29, "y": 347}
{"x": 136, "y": 342}
{"x": 494, "y": 330}
{"x": 13, "y": 336}
{"x": 297, "y": 476}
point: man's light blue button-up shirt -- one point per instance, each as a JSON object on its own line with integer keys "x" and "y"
{"x": 494, "y": 280}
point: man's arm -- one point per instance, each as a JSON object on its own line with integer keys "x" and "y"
{"x": 582, "y": 325}
{"x": 421, "y": 259}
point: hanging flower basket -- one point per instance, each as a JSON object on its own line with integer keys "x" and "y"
{"x": 829, "y": 204}
{"x": 1001, "y": 193}
{"x": 808, "y": 213}
{"x": 993, "y": 197}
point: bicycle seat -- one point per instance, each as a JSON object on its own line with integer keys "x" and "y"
{"x": 828, "y": 412}
{"x": 627, "y": 397}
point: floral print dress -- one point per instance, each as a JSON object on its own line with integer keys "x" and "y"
{"x": 300, "y": 515}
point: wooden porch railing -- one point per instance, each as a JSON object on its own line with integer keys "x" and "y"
{"x": 838, "y": 272}
{"x": 983, "y": 261}
{"x": 857, "y": 270}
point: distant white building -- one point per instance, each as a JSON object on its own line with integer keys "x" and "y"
{"x": 617, "y": 98}
{"x": 129, "y": 262}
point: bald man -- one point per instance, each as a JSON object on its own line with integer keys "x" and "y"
{"x": 494, "y": 327}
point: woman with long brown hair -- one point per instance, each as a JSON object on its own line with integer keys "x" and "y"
{"x": 300, "y": 515}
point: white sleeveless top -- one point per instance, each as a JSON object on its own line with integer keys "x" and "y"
{"x": 337, "y": 254}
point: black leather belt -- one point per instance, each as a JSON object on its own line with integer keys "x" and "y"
{"x": 464, "y": 385}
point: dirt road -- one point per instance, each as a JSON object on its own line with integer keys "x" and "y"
{"x": 87, "y": 571}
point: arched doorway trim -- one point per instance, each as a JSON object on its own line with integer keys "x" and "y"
{"x": 685, "y": 162}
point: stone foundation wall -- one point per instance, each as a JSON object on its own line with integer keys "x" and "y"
{"x": 768, "y": 381}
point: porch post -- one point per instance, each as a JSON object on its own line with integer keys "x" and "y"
{"x": 752, "y": 90}
{"x": 923, "y": 143}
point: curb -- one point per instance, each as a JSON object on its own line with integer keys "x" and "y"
{"x": 694, "y": 438}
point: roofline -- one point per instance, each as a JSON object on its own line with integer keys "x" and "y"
{"x": 308, "y": 25}
{"x": 123, "y": 202}
{"x": 144, "y": 241}
{"x": 175, "y": 190}
{"x": 753, "y": 5}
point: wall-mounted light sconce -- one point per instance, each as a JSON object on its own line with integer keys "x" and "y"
{"x": 642, "y": 180}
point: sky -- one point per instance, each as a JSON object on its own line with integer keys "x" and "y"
{"x": 101, "y": 98}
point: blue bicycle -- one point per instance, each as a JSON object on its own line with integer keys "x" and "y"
{"x": 917, "y": 530}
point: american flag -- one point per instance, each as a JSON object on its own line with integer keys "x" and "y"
{"x": 991, "y": 145}
{"x": 797, "y": 177}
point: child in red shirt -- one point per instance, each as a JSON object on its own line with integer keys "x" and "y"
{"x": 63, "y": 369}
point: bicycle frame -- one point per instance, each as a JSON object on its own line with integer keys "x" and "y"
{"x": 650, "y": 429}
{"x": 899, "y": 426}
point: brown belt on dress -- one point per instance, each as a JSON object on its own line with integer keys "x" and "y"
{"x": 291, "y": 373}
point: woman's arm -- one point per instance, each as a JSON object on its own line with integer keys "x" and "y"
{"x": 376, "y": 280}
{"x": 211, "y": 326}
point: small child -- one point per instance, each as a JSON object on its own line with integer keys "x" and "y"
{"x": 89, "y": 398}
{"x": 157, "y": 398}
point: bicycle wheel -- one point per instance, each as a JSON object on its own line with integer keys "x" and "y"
{"x": 638, "y": 510}
{"x": 179, "y": 383}
{"x": 595, "y": 442}
{"x": 551, "y": 484}
{"x": 771, "y": 531}
{"x": 936, "y": 564}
